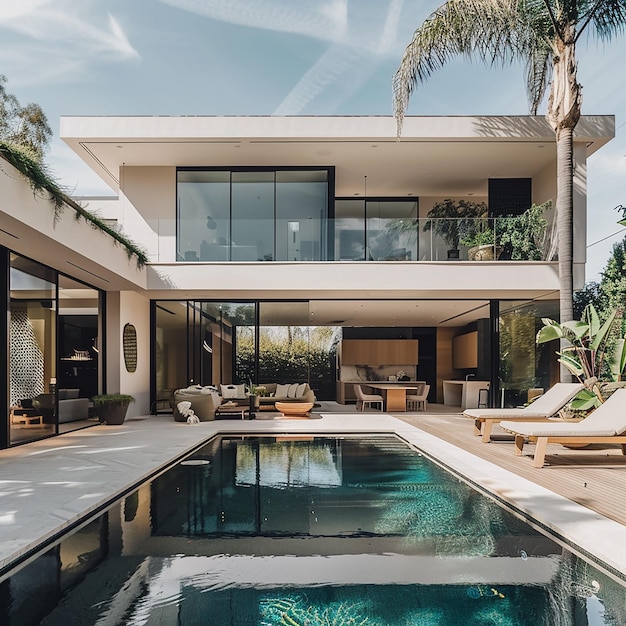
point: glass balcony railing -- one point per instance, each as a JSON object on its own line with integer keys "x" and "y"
{"x": 377, "y": 239}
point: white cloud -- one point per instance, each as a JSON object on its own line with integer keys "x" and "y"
{"x": 54, "y": 40}
{"x": 337, "y": 63}
{"x": 358, "y": 38}
{"x": 20, "y": 10}
{"x": 324, "y": 20}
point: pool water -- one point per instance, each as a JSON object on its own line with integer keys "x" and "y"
{"x": 309, "y": 530}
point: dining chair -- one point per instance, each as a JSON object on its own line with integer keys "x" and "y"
{"x": 420, "y": 399}
{"x": 366, "y": 398}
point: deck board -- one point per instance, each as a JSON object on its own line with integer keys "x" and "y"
{"x": 594, "y": 477}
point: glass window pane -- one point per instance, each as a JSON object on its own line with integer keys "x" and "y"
{"x": 32, "y": 350}
{"x": 349, "y": 230}
{"x": 392, "y": 229}
{"x": 228, "y": 342}
{"x": 203, "y": 216}
{"x": 301, "y": 210}
{"x": 523, "y": 363}
{"x": 170, "y": 354}
{"x": 284, "y": 342}
{"x": 252, "y": 216}
{"x": 79, "y": 351}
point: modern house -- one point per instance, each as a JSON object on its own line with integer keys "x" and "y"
{"x": 286, "y": 249}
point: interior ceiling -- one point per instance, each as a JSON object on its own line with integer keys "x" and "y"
{"x": 369, "y": 313}
{"x": 393, "y": 168}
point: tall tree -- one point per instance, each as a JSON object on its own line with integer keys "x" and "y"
{"x": 23, "y": 126}
{"x": 542, "y": 34}
{"x": 613, "y": 282}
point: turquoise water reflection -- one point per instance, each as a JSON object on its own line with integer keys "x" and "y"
{"x": 296, "y": 531}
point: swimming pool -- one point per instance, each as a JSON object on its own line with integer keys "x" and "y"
{"x": 309, "y": 530}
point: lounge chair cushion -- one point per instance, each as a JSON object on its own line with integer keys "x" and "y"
{"x": 608, "y": 420}
{"x": 548, "y": 404}
{"x": 557, "y": 430}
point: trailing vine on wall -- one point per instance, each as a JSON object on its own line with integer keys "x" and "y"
{"x": 42, "y": 183}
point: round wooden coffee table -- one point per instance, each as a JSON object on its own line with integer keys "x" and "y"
{"x": 294, "y": 409}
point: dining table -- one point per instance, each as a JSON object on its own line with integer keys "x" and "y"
{"x": 394, "y": 395}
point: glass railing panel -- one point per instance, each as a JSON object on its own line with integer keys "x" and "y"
{"x": 354, "y": 239}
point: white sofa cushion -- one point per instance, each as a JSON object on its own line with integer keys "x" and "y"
{"x": 282, "y": 391}
{"x": 233, "y": 391}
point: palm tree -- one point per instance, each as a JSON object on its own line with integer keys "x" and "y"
{"x": 541, "y": 33}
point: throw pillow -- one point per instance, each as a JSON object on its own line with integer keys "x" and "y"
{"x": 300, "y": 390}
{"x": 282, "y": 391}
{"x": 233, "y": 391}
{"x": 292, "y": 390}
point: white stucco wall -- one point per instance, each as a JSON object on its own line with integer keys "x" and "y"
{"x": 128, "y": 307}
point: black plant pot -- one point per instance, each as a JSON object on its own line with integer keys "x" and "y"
{"x": 114, "y": 413}
{"x": 253, "y": 405}
{"x": 453, "y": 253}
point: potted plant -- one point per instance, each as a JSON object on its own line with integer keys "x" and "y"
{"x": 111, "y": 407}
{"x": 254, "y": 391}
{"x": 482, "y": 245}
{"x": 451, "y": 220}
{"x": 524, "y": 234}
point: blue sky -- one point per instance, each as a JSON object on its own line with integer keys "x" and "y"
{"x": 262, "y": 57}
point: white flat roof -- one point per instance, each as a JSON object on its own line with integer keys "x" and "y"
{"x": 430, "y": 148}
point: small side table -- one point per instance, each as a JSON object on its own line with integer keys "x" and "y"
{"x": 294, "y": 409}
{"x": 229, "y": 411}
{"x": 27, "y": 420}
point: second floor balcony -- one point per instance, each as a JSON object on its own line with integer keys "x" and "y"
{"x": 524, "y": 237}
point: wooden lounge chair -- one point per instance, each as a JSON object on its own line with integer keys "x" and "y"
{"x": 550, "y": 403}
{"x": 607, "y": 424}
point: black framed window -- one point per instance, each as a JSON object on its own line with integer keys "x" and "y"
{"x": 253, "y": 214}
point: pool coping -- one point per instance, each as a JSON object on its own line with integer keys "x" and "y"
{"x": 40, "y": 502}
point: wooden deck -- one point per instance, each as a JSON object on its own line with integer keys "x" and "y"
{"x": 594, "y": 477}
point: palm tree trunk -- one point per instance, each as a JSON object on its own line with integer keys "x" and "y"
{"x": 565, "y": 220}
{"x": 563, "y": 114}
{"x": 565, "y": 228}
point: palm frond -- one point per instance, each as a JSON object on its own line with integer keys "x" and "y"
{"x": 605, "y": 17}
{"x": 494, "y": 31}
{"x": 539, "y": 75}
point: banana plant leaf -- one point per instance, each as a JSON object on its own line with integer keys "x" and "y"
{"x": 585, "y": 400}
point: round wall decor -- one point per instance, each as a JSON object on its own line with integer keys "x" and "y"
{"x": 130, "y": 347}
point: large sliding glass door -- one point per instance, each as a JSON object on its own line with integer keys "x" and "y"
{"x": 525, "y": 365}
{"x": 32, "y": 350}
{"x": 213, "y": 343}
{"x": 54, "y": 326}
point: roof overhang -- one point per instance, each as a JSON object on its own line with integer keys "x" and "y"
{"x": 421, "y": 162}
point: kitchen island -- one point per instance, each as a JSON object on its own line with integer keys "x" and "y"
{"x": 463, "y": 393}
